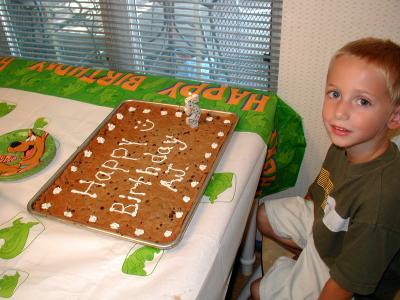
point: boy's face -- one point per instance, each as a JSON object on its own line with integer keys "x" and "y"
{"x": 357, "y": 108}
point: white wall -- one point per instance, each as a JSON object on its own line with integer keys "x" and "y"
{"x": 312, "y": 30}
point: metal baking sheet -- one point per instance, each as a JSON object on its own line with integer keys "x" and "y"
{"x": 140, "y": 175}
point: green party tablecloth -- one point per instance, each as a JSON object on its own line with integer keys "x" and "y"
{"x": 261, "y": 112}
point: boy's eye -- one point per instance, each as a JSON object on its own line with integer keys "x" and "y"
{"x": 334, "y": 94}
{"x": 363, "y": 102}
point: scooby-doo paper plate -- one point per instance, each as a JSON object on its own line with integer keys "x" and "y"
{"x": 25, "y": 152}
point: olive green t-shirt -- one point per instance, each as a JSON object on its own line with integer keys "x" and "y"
{"x": 357, "y": 219}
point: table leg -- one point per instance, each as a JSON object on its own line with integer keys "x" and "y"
{"x": 247, "y": 257}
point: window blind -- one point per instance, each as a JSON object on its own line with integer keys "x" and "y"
{"x": 221, "y": 41}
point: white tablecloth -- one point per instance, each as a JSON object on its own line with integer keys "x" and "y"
{"x": 62, "y": 261}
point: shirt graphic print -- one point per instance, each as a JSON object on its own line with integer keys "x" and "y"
{"x": 332, "y": 220}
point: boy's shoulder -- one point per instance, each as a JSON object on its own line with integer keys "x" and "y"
{"x": 390, "y": 188}
{"x": 391, "y": 170}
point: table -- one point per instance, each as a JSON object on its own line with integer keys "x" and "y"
{"x": 61, "y": 261}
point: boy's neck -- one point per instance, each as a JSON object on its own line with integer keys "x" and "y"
{"x": 358, "y": 158}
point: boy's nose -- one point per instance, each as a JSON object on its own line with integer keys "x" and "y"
{"x": 342, "y": 110}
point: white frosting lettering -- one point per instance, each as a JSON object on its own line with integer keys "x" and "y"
{"x": 86, "y": 192}
{"x": 158, "y": 159}
{"x": 112, "y": 165}
{"x": 145, "y": 126}
{"x": 132, "y": 198}
{"x": 181, "y": 172}
{"x": 179, "y": 177}
{"x": 164, "y": 150}
{"x": 168, "y": 184}
{"x": 173, "y": 140}
{"x": 124, "y": 156}
{"x": 124, "y": 141}
{"x": 130, "y": 209}
{"x": 149, "y": 171}
{"x": 103, "y": 176}
{"x": 139, "y": 182}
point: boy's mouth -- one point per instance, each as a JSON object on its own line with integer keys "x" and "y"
{"x": 340, "y": 130}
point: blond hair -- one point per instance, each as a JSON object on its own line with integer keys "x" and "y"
{"x": 383, "y": 54}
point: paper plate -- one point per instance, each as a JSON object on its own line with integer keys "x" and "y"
{"x": 17, "y": 153}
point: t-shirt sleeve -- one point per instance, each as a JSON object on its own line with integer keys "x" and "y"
{"x": 367, "y": 252}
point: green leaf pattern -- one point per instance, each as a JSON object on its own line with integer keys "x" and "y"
{"x": 135, "y": 263}
{"x": 6, "y": 108}
{"x": 218, "y": 183}
{"x": 8, "y": 285}
{"x": 13, "y": 238}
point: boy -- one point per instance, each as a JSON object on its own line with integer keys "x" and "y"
{"x": 348, "y": 236}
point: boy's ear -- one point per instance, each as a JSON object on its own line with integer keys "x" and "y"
{"x": 394, "y": 121}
